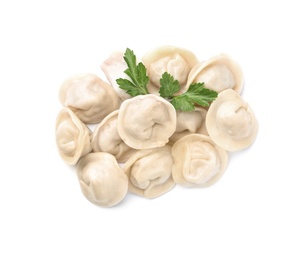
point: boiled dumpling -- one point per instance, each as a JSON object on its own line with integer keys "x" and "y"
{"x": 114, "y": 68}
{"x": 105, "y": 138}
{"x": 176, "y": 61}
{"x": 72, "y": 137}
{"x": 231, "y": 122}
{"x": 101, "y": 179}
{"x": 89, "y": 97}
{"x": 198, "y": 162}
{"x": 146, "y": 121}
{"x": 149, "y": 172}
{"x": 189, "y": 122}
{"x": 218, "y": 73}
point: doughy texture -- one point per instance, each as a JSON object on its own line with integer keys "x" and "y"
{"x": 189, "y": 122}
{"x": 146, "y": 121}
{"x": 72, "y": 137}
{"x": 101, "y": 179}
{"x": 89, "y": 97}
{"x": 105, "y": 138}
{"x": 149, "y": 172}
{"x": 176, "y": 61}
{"x": 198, "y": 162}
{"x": 218, "y": 73}
{"x": 231, "y": 122}
{"x": 114, "y": 68}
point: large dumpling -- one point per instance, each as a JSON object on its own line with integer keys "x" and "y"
{"x": 105, "y": 138}
{"x": 218, "y": 73}
{"x": 176, "y": 61}
{"x": 198, "y": 161}
{"x": 149, "y": 172}
{"x": 231, "y": 122}
{"x": 90, "y": 98}
{"x": 72, "y": 137}
{"x": 101, "y": 179}
{"x": 146, "y": 121}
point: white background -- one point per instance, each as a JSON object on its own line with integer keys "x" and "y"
{"x": 251, "y": 213}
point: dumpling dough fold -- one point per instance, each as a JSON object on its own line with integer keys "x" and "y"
{"x": 105, "y": 138}
{"x": 149, "y": 172}
{"x": 72, "y": 136}
{"x": 231, "y": 122}
{"x": 89, "y": 97}
{"x": 176, "y": 61}
{"x": 146, "y": 121}
{"x": 101, "y": 179}
{"x": 189, "y": 122}
{"x": 198, "y": 161}
{"x": 218, "y": 73}
{"x": 114, "y": 68}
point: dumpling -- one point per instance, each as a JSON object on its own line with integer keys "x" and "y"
{"x": 114, "y": 68}
{"x": 101, "y": 179}
{"x": 189, "y": 122}
{"x": 176, "y": 61}
{"x": 218, "y": 73}
{"x": 231, "y": 122}
{"x": 149, "y": 172}
{"x": 198, "y": 162}
{"x": 146, "y": 121}
{"x": 105, "y": 138}
{"x": 89, "y": 97}
{"x": 72, "y": 137}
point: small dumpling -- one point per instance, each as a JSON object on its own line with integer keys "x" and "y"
{"x": 72, "y": 137}
{"x": 176, "y": 61}
{"x": 218, "y": 73}
{"x": 146, "y": 121}
{"x": 105, "y": 138}
{"x": 198, "y": 161}
{"x": 189, "y": 122}
{"x": 89, "y": 97}
{"x": 149, "y": 172}
{"x": 231, "y": 122}
{"x": 101, "y": 179}
{"x": 114, "y": 68}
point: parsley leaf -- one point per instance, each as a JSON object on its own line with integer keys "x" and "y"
{"x": 169, "y": 85}
{"x": 200, "y": 95}
{"x": 196, "y": 94}
{"x": 137, "y": 73}
{"x": 183, "y": 103}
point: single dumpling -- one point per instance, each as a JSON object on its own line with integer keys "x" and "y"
{"x": 89, "y": 97}
{"x": 198, "y": 161}
{"x": 149, "y": 172}
{"x": 105, "y": 138}
{"x": 176, "y": 61}
{"x": 218, "y": 73}
{"x": 72, "y": 137}
{"x": 101, "y": 179}
{"x": 114, "y": 68}
{"x": 189, "y": 122}
{"x": 231, "y": 122}
{"x": 146, "y": 121}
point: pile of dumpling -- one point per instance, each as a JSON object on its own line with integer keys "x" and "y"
{"x": 142, "y": 144}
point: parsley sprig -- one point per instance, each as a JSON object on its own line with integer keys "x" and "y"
{"x": 197, "y": 94}
{"x": 137, "y": 73}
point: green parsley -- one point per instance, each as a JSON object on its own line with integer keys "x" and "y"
{"x": 169, "y": 86}
{"x": 196, "y": 94}
{"x": 137, "y": 73}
